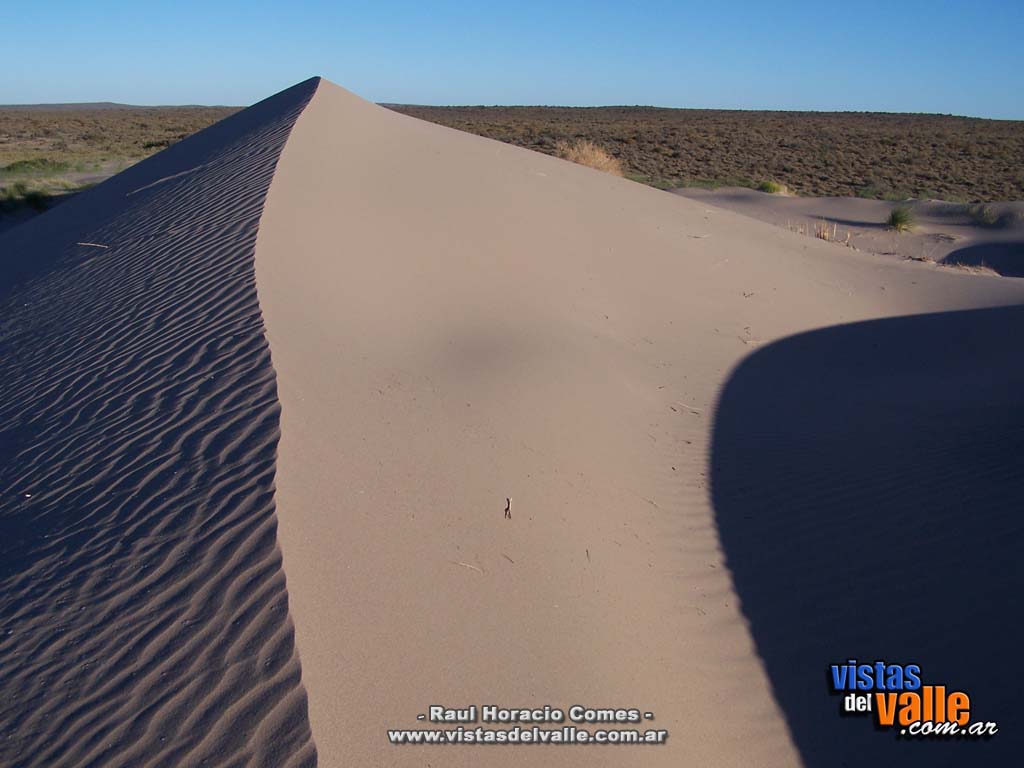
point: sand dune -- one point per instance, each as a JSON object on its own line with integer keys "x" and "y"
{"x": 661, "y": 390}
{"x": 454, "y": 321}
{"x": 989, "y": 237}
{"x": 143, "y": 614}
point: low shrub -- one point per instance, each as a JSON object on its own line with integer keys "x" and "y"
{"x": 901, "y": 218}
{"x": 586, "y": 152}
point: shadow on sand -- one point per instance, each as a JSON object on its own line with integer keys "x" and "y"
{"x": 1006, "y": 258}
{"x": 859, "y": 223}
{"x": 868, "y": 485}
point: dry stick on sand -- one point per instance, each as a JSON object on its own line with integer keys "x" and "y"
{"x": 467, "y": 565}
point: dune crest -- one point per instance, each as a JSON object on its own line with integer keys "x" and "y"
{"x": 455, "y": 322}
{"x": 143, "y": 612}
{"x": 504, "y": 422}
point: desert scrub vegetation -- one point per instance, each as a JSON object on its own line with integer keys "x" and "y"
{"x": 662, "y": 184}
{"x": 20, "y": 194}
{"x": 36, "y": 195}
{"x": 983, "y": 215}
{"x": 34, "y": 167}
{"x": 823, "y": 230}
{"x": 772, "y": 187}
{"x": 586, "y": 152}
{"x": 50, "y": 141}
{"x": 987, "y": 216}
{"x": 47, "y": 153}
{"x": 873, "y": 190}
{"x": 843, "y": 154}
{"x": 901, "y": 219}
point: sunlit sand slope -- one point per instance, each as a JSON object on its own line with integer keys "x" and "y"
{"x": 455, "y": 322}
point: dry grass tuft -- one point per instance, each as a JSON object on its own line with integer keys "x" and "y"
{"x": 773, "y": 187}
{"x": 823, "y": 230}
{"x": 901, "y": 219}
{"x": 830, "y": 235}
{"x": 586, "y": 152}
{"x": 21, "y": 194}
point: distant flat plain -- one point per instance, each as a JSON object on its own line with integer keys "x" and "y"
{"x": 52, "y": 150}
{"x": 841, "y": 154}
{"x": 47, "y": 151}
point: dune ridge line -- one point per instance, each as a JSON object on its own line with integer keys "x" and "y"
{"x": 455, "y": 322}
{"x": 502, "y": 421}
{"x": 143, "y": 610}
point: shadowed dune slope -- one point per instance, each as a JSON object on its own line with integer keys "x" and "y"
{"x": 143, "y": 612}
{"x": 455, "y": 322}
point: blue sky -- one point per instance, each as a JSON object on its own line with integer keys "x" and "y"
{"x": 952, "y": 57}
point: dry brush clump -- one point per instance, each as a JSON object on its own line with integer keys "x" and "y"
{"x": 586, "y": 152}
{"x": 901, "y": 219}
{"x": 773, "y": 187}
{"x": 983, "y": 215}
{"x": 823, "y": 230}
{"x": 21, "y": 194}
{"x": 987, "y": 216}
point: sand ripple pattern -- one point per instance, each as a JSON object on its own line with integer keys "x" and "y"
{"x": 143, "y": 612}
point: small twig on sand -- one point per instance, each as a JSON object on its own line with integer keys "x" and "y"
{"x": 467, "y": 565}
{"x": 652, "y": 502}
{"x": 508, "y": 558}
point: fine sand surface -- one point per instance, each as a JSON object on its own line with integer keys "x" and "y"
{"x": 943, "y": 233}
{"x": 454, "y": 321}
{"x": 325, "y": 341}
{"x": 143, "y": 614}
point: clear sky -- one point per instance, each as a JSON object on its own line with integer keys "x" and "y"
{"x": 956, "y": 56}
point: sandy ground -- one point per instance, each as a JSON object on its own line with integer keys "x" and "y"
{"x": 943, "y": 233}
{"x": 455, "y": 322}
{"x": 319, "y": 345}
{"x": 143, "y": 613}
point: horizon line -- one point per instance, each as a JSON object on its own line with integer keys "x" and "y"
{"x": 388, "y": 104}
